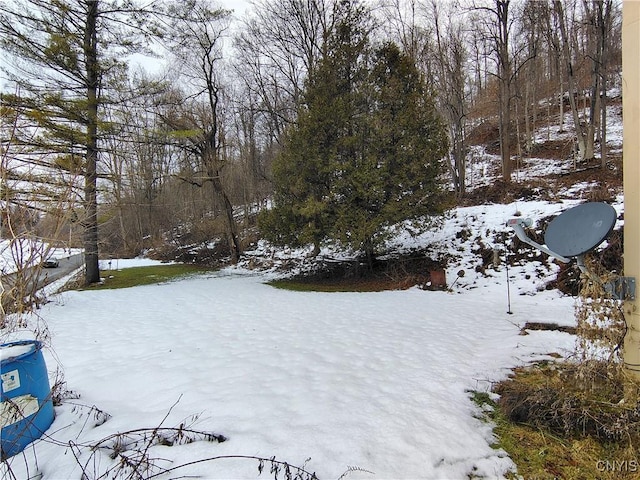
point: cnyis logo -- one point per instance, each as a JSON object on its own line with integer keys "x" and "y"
{"x": 627, "y": 466}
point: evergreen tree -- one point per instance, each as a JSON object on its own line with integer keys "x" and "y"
{"x": 396, "y": 174}
{"x": 366, "y": 151}
{"x": 307, "y": 169}
{"x": 65, "y": 56}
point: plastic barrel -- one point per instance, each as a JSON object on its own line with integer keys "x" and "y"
{"x": 26, "y": 411}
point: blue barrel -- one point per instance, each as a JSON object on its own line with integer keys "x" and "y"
{"x": 27, "y": 407}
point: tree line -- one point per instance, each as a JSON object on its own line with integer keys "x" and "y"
{"x": 334, "y": 118}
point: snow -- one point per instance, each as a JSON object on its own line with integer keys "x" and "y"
{"x": 9, "y": 352}
{"x": 25, "y": 252}
{"x": 377, "y": 380}
{"x": 380, "y": 381}
{"x": 122, "y": 263}
{"x": 374, "y": 384}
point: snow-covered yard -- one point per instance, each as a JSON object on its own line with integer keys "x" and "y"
{"x": 380, "y": 381}
{"x": 329, "y": 381}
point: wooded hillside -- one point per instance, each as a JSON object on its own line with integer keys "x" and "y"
{"x": 101, "y": 153}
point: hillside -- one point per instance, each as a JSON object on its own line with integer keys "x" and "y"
{"x": 472, "y": 238}
{"x": 469, "y": 239}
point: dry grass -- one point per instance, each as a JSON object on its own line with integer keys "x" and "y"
{"x": 553, "y": 424}
{"x": 580, "y": 419}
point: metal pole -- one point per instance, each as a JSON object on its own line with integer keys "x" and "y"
{"x": 506, "y": 264}
{"x": 631, "y": 167}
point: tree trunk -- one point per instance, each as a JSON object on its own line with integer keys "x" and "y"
{"x": 603, "y": 125}
{"x": 528, "y": 126}
{"x": 369, "y": 253}
{"x": 603, "y": 25}
{"x": 450, "y": 61}
{"x": 92, "y": 272}
{"x": 505, "y": 132}
{"x": 231, "y": 229}
{"x": 504, "y": 62}
{"x": 561, "y": 107}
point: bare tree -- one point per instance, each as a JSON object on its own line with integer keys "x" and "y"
{"x": 404, "y": 23}
{"x": 496, "y": 23}
{"x": 532, "y": 76}
{"x": 256, "y": 146}
{"x": 598, "y": 18}
{"x": 31, "y": 194}
{"x": 453, "y": 94}
{"x": 195, "y": 37}
{"x": 138, "y": 162}
{"x": 504, "y": 79}
{"x": 281, "y": 43}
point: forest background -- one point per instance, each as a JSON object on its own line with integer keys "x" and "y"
{"x": 130, "y": 127}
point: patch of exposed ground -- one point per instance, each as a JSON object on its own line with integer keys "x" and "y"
{"x": 398, "y": 273}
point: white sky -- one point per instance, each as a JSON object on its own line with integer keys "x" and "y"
{"x": 238, "y": 6}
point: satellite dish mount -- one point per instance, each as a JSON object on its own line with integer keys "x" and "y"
{"x": 573, "y": 234}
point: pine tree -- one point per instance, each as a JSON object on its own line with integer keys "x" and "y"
{"x": 65, "y": 56}
{"x": 396, "y": 174}
{"x": 366, "y": 150}
{"x": 305, "y": 172}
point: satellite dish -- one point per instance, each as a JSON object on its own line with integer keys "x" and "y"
{"x": 576, "y": 232}
{"x": 580, "y": 229}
